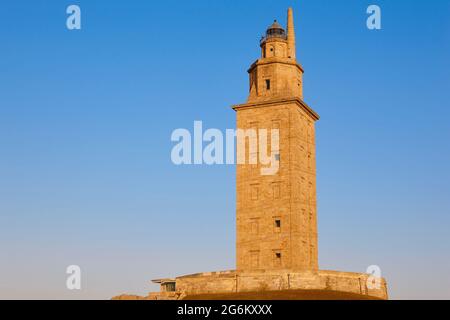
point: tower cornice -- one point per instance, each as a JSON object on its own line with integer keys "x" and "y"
{"x": 275, "y": 102}
{"x": 272, "y": 60}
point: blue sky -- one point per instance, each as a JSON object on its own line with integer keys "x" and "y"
{"x": 86, "y": 117}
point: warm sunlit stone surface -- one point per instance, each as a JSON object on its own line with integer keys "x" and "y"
{"x": 276, "y": 216}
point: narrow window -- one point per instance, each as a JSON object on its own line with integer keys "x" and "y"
{"x": 278, "y": 223}
{"x": 277, "y": 157}
{"x": 277, "y": 259}
{"x": 267, "y": 84}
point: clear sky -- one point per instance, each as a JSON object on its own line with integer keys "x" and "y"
{"x": 86, "y": 117}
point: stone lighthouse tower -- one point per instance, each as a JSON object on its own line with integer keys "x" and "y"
{"x": 276, "y": 214}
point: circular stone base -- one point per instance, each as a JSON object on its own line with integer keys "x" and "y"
{"x": 281, "y": 285}
{"x": 283, "y": 295}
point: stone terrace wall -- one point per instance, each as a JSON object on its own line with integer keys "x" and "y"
{"x": 236, "y": 282}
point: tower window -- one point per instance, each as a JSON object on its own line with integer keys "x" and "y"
{"x": 278, "y": 223}
{"x": 277, "y": 259}
{"x": 277, "y": 157}
{"x": 267, "y": 84}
